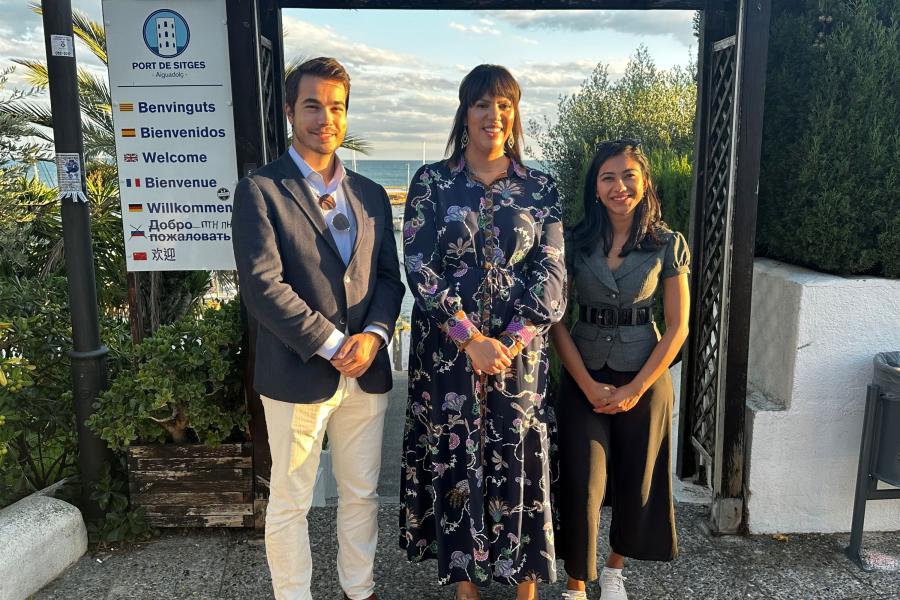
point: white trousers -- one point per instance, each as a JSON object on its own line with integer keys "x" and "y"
{"x": 354, "y": 421}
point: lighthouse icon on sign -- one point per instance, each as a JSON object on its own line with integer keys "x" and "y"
{"x": 166, "y": 33}
{"x": 165, "y": 36}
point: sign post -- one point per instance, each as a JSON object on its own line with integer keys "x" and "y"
{"x": 88, "y": 355}
{"x": 170, "y": 87}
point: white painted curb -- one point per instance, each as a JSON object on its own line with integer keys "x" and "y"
{"x": 41, "y": 537}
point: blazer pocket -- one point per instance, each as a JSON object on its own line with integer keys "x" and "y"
{"x": 591, "y": 347}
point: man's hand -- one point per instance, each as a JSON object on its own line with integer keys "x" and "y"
{"x": 356, "y": 355}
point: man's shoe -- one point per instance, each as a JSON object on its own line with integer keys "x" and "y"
{"x": 612, "y": 585}
{"x": 372, "y": 597}
{"x": 574, "y": 595}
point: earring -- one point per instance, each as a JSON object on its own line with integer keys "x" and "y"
{"x": 464, "y": 140}
{"x": 511, "y": 141}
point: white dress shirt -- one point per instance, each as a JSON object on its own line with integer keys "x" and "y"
{"x": 343, "y": 239}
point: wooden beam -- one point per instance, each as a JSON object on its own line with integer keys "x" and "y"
{"x": 511, "y": 4}
{"x": 753, "y": 36}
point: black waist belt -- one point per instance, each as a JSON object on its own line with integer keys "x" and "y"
{"x": 611, "y": 316}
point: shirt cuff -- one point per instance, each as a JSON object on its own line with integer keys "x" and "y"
{"x": 521, "y": 330}
{"x": 380, "y": 331}
{"x": 331, "y": 345}
{"x": 460, "y": 329}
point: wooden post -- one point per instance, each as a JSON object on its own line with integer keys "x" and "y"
{"x": 728, "y": 477}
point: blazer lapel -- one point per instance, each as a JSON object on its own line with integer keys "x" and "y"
{"x": 596, "y": 262}
{"x": 303, "y": 197}
{"x": 354, "y": 199}
{"x": 634, "y": 259}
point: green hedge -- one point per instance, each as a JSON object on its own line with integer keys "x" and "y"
{"x": 829, "y": 195}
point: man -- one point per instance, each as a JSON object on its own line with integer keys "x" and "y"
{"x": 317, "y": 265}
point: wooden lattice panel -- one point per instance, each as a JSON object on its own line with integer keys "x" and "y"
{"x": 713, "y": 251}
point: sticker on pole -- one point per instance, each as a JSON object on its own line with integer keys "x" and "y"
{"x": 68, "y": 176}
{"x": 62, "y": 45}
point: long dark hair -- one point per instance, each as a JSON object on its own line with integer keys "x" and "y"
{"x": 595, "y": 224}
{"x": 486, "y": 80}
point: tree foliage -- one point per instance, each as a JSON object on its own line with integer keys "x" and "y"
{"x": 655, "y": 106}
{"x": 829, "y": 195}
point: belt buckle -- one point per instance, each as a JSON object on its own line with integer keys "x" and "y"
{"x": 607, "y": 316}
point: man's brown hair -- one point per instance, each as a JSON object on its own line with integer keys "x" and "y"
{"x": 324, "y": 67}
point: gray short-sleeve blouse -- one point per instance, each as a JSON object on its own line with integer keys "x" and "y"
{"x": 631, "y": 287}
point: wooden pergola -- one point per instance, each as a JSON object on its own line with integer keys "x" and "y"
{"x": 732, "y": 57}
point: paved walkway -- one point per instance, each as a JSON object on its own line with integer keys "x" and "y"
{"x": 231, "y": 564}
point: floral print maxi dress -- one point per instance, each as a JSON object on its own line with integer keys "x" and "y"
{"x": 475, "y": 485}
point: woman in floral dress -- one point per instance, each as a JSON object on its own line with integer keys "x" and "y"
{"x": 483, "y": 246}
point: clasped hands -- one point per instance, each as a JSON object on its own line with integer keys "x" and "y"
{"x": 356, "y": 354}
{"x": 608, "y": 399}
{"x": 489, "y": 356}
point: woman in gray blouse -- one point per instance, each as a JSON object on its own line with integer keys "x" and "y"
{"x": 614, "y": 408}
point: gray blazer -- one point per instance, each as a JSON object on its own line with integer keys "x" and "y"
{"x": 633, "y": 284}
{"x": 296, "y": 286}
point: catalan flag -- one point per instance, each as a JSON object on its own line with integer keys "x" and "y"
{"x": 135, "y": 208}
{"x": 128, "y": 132}
{"x": 139, "y": 255}
{"x": 126, "y": 106}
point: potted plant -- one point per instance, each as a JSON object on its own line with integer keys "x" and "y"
{"x": 179, "y": 416}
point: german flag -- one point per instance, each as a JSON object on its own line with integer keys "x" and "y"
{"x": 139, "y": 255}
{"x": 135, "y": 208}
{"x": 126, "y": 106}
{"x": 128, "y": 133}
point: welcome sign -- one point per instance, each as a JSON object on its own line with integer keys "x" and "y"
{"x": 170, "y": 83}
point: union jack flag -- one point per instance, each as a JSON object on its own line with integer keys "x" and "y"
{"x": 131, "y": 157}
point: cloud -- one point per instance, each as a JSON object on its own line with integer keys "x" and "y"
{"x": 473, "y": 29}
{"x": 678, "y": 24}
{"x": 305, "y": 39}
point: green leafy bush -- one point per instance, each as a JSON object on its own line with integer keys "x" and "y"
{"x": 38, "y": 433}
{"x": 829, "y": 195}
{"x": 185, "y": 379}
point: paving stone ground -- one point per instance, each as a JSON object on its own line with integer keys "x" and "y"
{"x": 218, "y": 564}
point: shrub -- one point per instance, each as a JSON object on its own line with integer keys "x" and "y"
{"x": 37, "y": 422}
{"x": 184, "y": 385}
{"x": 829, "y": 195}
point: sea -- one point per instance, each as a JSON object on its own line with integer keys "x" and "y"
{"x": 396, "y": 173}
{"x": 392, "y": 174}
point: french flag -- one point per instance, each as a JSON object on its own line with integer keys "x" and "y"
{"x": 133, "y": 183}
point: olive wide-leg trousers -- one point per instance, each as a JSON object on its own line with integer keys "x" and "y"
{"x": 624, "y": 458}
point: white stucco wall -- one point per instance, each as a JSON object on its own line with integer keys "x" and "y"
{"x": 812, "y": 340}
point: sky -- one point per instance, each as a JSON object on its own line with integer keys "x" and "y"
{"x": 405, "y": 66}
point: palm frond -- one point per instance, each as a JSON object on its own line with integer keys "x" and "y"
{"x": 353, "y": 142}
{"x": 36, "y": 71}
{"x": 91, "y": 33}
{"x": 35, "y": 113}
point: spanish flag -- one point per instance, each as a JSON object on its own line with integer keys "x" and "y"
{"x": 128, "y": 133}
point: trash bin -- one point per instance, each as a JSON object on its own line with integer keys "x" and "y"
{"x": 886, "y": 462}
{"x": 879, "y": 454}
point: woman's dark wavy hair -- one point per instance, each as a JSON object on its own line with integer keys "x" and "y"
{"x": 492, "y": 81}
{"x": 595, "y": 224}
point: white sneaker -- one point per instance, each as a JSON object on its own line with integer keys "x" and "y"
{"x": 612, "y": 585}
{"x": 574, "y": 595}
